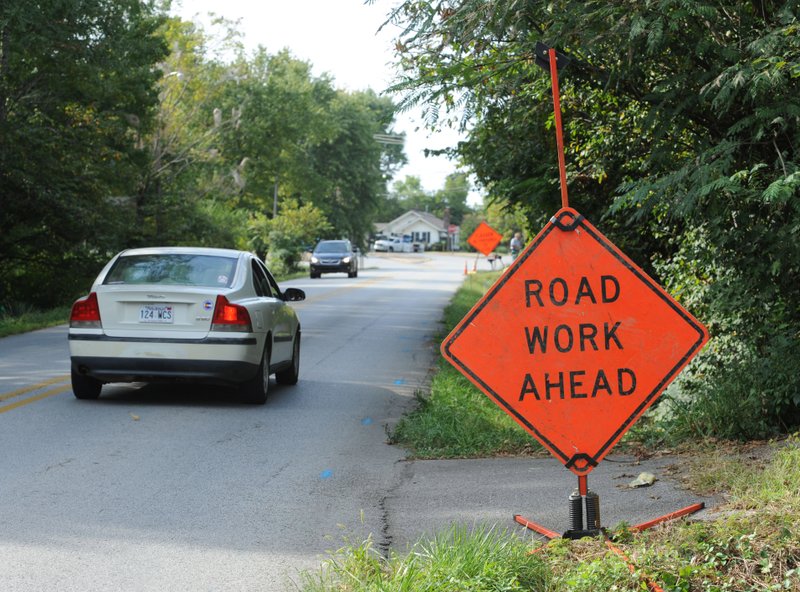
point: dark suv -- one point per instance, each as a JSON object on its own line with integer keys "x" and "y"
{"x": 334, "y": 256}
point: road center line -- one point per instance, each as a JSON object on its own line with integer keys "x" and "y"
{"x": 39, "y": 397}
{"x": 33, "y": 387}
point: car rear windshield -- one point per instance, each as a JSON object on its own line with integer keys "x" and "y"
{"x": 332, "y": 247}
{"x": 180, "y": 269}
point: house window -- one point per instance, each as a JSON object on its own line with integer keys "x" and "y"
{"x": 422, "y": 237}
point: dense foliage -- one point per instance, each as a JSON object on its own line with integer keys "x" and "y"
{"x": 77, "y": 88}
{"x": 682, "y": 126}
{"x": 123, "y": 127}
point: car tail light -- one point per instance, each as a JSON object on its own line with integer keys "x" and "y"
{"x": 86, "y": 313}
{"x": 230, "y": 317}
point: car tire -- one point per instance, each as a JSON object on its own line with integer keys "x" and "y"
{"x": 85, "y": 387}
{"x": 391, "y": 249}
{"x": 352, "y": 274}
{"x": 291, "y": 374}
{"x": 315, "y": 275}
{"x": 255, "y": 390}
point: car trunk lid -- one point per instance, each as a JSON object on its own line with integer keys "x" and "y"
{"x": 156, "y": 311}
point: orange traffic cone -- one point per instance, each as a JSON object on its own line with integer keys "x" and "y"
{"x": 465, "y": 268}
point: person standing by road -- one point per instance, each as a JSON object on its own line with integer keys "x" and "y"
{"x": 515, "y": 246}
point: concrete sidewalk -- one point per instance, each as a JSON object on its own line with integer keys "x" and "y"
{"x": 434, "y": 494}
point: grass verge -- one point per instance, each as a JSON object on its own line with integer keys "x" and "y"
{"x": 456, "y": 420}
{"x": 30, "y": 320}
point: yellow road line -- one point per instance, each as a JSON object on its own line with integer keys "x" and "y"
{"x": 39, "y": 397}
{"x": 33, "y": 387}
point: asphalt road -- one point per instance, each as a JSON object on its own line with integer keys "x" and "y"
{"x": 179, "y": 488}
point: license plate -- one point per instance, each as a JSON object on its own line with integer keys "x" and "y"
{"x": 155, "y": 313}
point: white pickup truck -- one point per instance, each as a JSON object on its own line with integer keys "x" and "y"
{"x": 393, "y": 244}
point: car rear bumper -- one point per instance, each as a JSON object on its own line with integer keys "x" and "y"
{"x": 223, "y": 360}
{"x": 163, "y": 370}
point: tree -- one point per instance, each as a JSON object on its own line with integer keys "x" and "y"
{"x": 300, "y": 138}
{"x": 453, "y": 197}
{"x": 77, "y": 84}
{"x": 186, "y": 189}
{"x": 409, "y": 194}
{"x": 356, "y": 167}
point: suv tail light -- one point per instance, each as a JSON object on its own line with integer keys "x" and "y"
{"x": 86, "y": 313}
{"x": 230, "y": 317}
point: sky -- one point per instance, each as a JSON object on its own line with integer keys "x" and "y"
{"x": 340, "y": 38}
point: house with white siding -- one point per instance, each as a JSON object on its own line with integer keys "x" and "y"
{"x": 424, "y": 229}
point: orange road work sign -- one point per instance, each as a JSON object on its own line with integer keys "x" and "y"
{"x": 485, "y": 238}
{"x": 574, "y": 341}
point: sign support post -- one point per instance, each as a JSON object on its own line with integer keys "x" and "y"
{"x": 562, "y": 167}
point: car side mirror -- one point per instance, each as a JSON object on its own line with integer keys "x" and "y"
{"x": 294, "y": 295}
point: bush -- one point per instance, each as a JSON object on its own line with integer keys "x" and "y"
{"x": 736, "y": 392}
{"x": 284, "y": 238}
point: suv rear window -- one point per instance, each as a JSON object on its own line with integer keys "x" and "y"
{"x": 183, "y": 269}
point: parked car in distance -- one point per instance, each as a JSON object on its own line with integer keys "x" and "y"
{"x": 185, "y": 314}
{"x": 333, "y": 256}
{"x": 392, "y": 244}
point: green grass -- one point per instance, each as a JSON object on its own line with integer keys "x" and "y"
{"x": 456, "y": 419}
{"x": 753, "y": 544}
{"x": 22, "y": 321}
{"x": 483, "y": 559}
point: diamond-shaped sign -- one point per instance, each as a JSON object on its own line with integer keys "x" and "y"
{"x": 574, "y": 341}
{"x": 485, "y": 238}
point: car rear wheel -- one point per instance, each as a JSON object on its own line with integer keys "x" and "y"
{"x": 85, "y": 387}
{"x": 292, "y": 373}
{"x": 255, "y": 390}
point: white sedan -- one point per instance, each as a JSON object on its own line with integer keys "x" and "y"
{"x": 192, "y": 314}
{"x": 391, "y": 245}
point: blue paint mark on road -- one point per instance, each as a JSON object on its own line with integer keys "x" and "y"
{"x": 366, "y": 421}
{"x": 400, "y": 381}
{"x": 326, "y": 474}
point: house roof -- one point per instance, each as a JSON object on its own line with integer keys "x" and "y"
{"x": 411, "y": 217}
